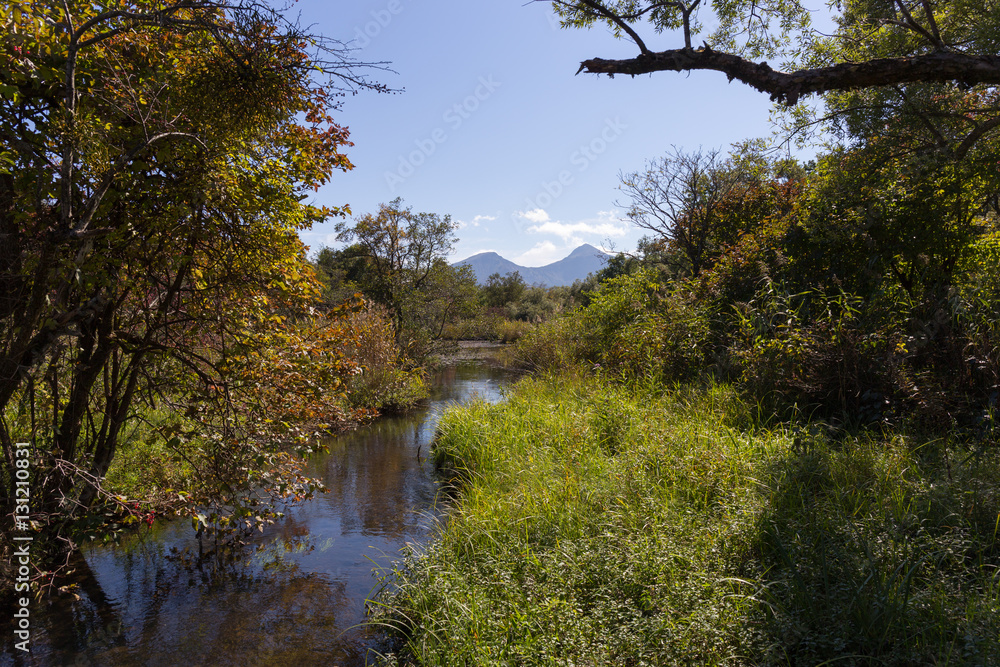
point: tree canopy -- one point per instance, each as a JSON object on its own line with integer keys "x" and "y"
{"x": 399, "y": 260}
{"x": 153, "y": 162}
{"x": 876, "y": 43}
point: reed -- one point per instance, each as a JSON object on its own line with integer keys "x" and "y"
{"x": 607, "y": 525}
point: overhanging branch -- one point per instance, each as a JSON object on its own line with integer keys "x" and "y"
{"x": 789, "y": 87}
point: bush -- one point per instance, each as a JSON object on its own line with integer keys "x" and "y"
{"x": 489, "y": 325}
{"x": 549, "y": 345}
{"x": 976, "y": 302}
{"x": 384, "y": 382}
{"x": 632, "y": 327}
{"x": 668, "y": 344}
{"x": 812, "y": 350}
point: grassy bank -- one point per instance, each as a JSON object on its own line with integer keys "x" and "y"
{"x": 601, "y": 525}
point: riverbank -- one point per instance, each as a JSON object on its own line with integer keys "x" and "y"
{"x": 472, "y": 350}
{"x": 296, "y": 595}
{"x": 598, "y": 524}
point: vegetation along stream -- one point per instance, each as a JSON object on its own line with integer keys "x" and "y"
{"x": 298, "y": 598}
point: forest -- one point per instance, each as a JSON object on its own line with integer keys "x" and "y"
{"x": 765, "y": 436}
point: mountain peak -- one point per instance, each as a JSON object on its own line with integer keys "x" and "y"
{"x": 583, "y": 261}
{"x": 586, "y": 250}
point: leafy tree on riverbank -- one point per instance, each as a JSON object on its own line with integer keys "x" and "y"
{"x": 399, "y": 260}
{"x": 152, "y": 166}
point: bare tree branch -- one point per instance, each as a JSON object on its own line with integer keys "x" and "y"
{"x": 789, "y": 87}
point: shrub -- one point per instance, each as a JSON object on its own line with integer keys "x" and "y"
{"x": 638, "y": 328}
{"x": 488, "y": 325}
{"x": 549, "y": 345}
{"x": 632, "y": 327}
{"x": 383, "y": 382}
{"x": 816, "y": 350}
{"x": 976, "y": 303}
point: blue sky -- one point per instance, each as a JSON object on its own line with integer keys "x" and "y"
{"x": 493, "y": 128}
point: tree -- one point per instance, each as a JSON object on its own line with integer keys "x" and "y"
{"x": 153, "y": 158}
{"x": 405, "y": 263}
{"x": 869, "y": 220}
{"x": 449, "y": 295}
{"x": 344, "y": 272}
{"x": 501, "y": 290}
{"x": 911, "y": 41}
{"x": 679, "y": 198}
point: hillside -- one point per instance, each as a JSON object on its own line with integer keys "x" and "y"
{"x": 576, "y": 266}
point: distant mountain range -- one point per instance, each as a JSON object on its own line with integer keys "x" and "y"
{"x": 578, "y": 265}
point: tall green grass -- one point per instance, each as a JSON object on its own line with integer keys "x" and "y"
{"x": 487, "y": 326}
{"x": 599, "y": 525}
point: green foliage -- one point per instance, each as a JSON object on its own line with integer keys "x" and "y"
{"x": 604, "y": 525}
{"x": 869, "y": 222}
{"x": 381, "y": 381}
{"x": 488, "y": 325}
{"x": 159, "y": 158}
{"x": 632, "y": 327}
{"x": 976, "y": 302}
{"x": 550, "y": 345}
{"x": 398, "y": 260}
{"x": 638, "y": 329}
{"x": 169, "y": 458}
{"x": 772, "y": 29}
{"x": 537, "y": 304}
{"x": 814, "y": 350}
{"x": 146, "y": 468}
{"x": 618, "y": 264}
{"x": 501, "y": 290}
{"x": 344, "y": 273}
{"x": 508, "y": 309}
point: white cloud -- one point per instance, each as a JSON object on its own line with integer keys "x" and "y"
{"x": 606, "y": 224}
{"x": 476, "y": 221}
{"x": 571, "y": 230}
{"x": 543, "y": 253}
{"x": 535, "y": 215}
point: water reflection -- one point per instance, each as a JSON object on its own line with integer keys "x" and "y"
{"x": 297, "y": 599}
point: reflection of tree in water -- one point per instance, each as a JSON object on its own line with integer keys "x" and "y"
{"x": 288, "y": 619}
{"x": 79, "y": 618}
{"x": 277, "y": 604}
{"x": 380, "y": 478}
{"x": 376, "y": 480}
{"x": 173, "y": 612}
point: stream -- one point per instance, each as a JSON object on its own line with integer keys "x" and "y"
{"x": 299, "y": 598}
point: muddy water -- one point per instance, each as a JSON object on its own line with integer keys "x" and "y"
{"x": 299, "y": 598}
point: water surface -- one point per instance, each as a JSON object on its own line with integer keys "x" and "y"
{"x": 299, "y": 598}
